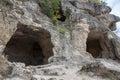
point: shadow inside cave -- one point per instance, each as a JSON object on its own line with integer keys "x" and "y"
{"x": 29, "y": 46}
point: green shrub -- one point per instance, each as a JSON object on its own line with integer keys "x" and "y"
{"x": 97, "y": 1}
{"x": 51, "y": 8}
{"x": 100, "y": 2}
{"x": 62, "y": 31}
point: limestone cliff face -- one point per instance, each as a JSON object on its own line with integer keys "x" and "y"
{"x": 27, "y": 35}
{"x": 92, "y": 25}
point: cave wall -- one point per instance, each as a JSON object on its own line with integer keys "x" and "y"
{"x": 29, "y": 46}
{"x": 80, "y": 19}
{"x": 99, "y": 45}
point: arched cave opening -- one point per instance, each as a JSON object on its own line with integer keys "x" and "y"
{"x": 93, "y": 44}
{"x": 32, "y": 47}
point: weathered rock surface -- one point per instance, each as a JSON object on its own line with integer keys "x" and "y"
{"x": 29, "y": 36}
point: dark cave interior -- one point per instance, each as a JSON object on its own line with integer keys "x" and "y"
{"x": 93, "y": 47}
{"x": 29, "y": 46}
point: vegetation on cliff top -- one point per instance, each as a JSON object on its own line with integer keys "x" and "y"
{"x": 51, "y": 8}
{"x": 100, "y": 2}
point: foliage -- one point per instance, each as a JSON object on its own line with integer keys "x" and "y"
{"x": 96, "y": 1}
{"x": 62, "y": 31}
{"x": 51, "y": 8}
{"x": 100, "y": 1}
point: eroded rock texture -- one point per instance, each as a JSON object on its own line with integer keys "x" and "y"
{"x": 100, "y": 45}
{"x": 28, "y": 36}
{"x": 30, "y": 46}
{"x": 91, "y": 23}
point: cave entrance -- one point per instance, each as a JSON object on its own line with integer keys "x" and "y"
{"x": 94, "y": 45}
{"x": 32, "y": 47}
